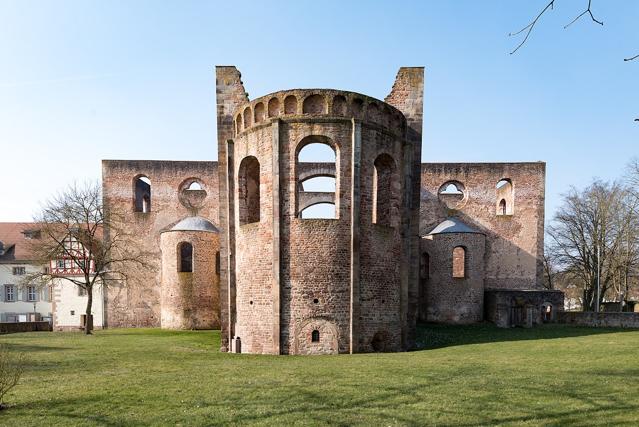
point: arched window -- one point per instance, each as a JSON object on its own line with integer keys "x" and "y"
{"x": 315, "y": 336}
{"x": 249, "y": 190}
{"x": 502, "y": 207}
{"x": 319, "y": 211}
{"x": 384, "y": 191}
{"x": 317, "y": 181}
{"x": 425, "y": 270}
{"x": 459, "y": 262}
{"x": 505, "y": 197}
{"x": 450, "y": 188}
{"x": 142, "y": 194}
{"x": 194, "y": 186}
{"x": 186, "y": 257}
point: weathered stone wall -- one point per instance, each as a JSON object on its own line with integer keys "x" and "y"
{"x": 513, "y": 307}
{"x": 449, "y": 299}
{"x": 190, "y": 300}
{"x": 514, "y": 242}
{"x": 603, "y": 320}
{"x": 138, "y": 303}
{"x": 342, "y": 275}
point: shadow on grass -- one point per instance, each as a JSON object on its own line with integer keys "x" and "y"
{"x": 432, "y": 336}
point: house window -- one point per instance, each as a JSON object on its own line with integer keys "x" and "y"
{"x": 9, "y": 293}
{"x": 19, "y": 271}
{"x": 60, "y": 263}
{"x": 315, "y": 336}
{"x": 31, "y": 294}
{"x": 81, "y": 291}
{"x": 459, "y": 262}
{"x": 186, "y": 257}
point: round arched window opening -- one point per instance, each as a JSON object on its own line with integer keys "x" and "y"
{"x": 185, "y": 254}
{"x": 453, "y": 195}
{"x": 315, "y": 336}
{"x": 142, "y": 194}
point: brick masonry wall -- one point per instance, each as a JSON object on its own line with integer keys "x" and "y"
{"x": 138, "y": 303}
{"x": 448, "y": 299}
{"x": 603, "y": 320}
{"x": 315, "y": 254}
{"x": 498, "y": 304}
{"x": 514, "y": 243}
{"x": 190, "y": 300}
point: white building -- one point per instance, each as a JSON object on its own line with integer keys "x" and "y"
{"x": 61, "y": 302}
{"x": 20, "y": 302}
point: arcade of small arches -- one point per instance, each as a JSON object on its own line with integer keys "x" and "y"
{"x": 333, "y": 103}
{"x": 317, "y": 194}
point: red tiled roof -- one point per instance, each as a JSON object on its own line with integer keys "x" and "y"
{"x": 15, "y": 245}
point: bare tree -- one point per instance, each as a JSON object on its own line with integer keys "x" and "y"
{"x": 550, "y": 267}
{"x": 11, "y": 369}
{"x": 527, "y": 30}
{"x": 72, "y": 243}
{"x": 590, "y": 237}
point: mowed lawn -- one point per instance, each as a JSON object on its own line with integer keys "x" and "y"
{"x": 553, "y": 375}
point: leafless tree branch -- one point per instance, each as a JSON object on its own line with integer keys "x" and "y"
{"x": 528, "y": 28}
{"x": 582, "y": 14}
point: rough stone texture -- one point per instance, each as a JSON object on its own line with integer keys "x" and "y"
{"x": 138, "y": 303}
{"x": 514, "y": 243}
{"x": 513, "y": 307}
{"x": 190, "y": 300}
{"x": 353, "y": 279}
{"x": 603, "y": 320}
{"x": 449, "y": 299}
{"x": 292, "y": 275}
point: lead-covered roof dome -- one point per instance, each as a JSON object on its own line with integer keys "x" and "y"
{"x": 452, "y": 225}
{"x": 195, "y": 223}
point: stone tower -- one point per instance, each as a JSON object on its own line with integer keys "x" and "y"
{"x": 294, "y": 285}
{"x": 189, "y": 294}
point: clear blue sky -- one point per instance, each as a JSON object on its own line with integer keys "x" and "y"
{"x": 82, "y": 81}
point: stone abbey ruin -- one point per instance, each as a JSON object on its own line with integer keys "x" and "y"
{"x": 405, "y": 242}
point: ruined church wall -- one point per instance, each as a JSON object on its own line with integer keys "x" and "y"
{"x": 138, "y": 303}
{"x": 514, "y": 242}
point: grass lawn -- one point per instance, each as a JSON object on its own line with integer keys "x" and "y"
{"x": 552, "y": 375}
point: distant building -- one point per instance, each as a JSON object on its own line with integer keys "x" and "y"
{"x": 20, "y": 302}
{"x": 60, "y": 302}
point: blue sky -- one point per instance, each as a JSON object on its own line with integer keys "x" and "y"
{"x": 82, "y": 81}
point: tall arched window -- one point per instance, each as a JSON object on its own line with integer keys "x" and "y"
{"x": 249, "y": 190}
{"x": 459, "y": 262}
{"x": 384, "y": 192}
{"x": 142, "y": 194}
{"x": 425, "y": 270}
{"x": 505, "y": 197}
{"x": 317, "y": 182}
{"x": 185, "y": 250}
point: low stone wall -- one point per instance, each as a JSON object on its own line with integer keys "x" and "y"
{"x": 600, "y": 320}
{"x": 13, "y": 327}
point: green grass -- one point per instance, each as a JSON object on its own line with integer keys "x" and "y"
{"x": 553, "y": 375}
